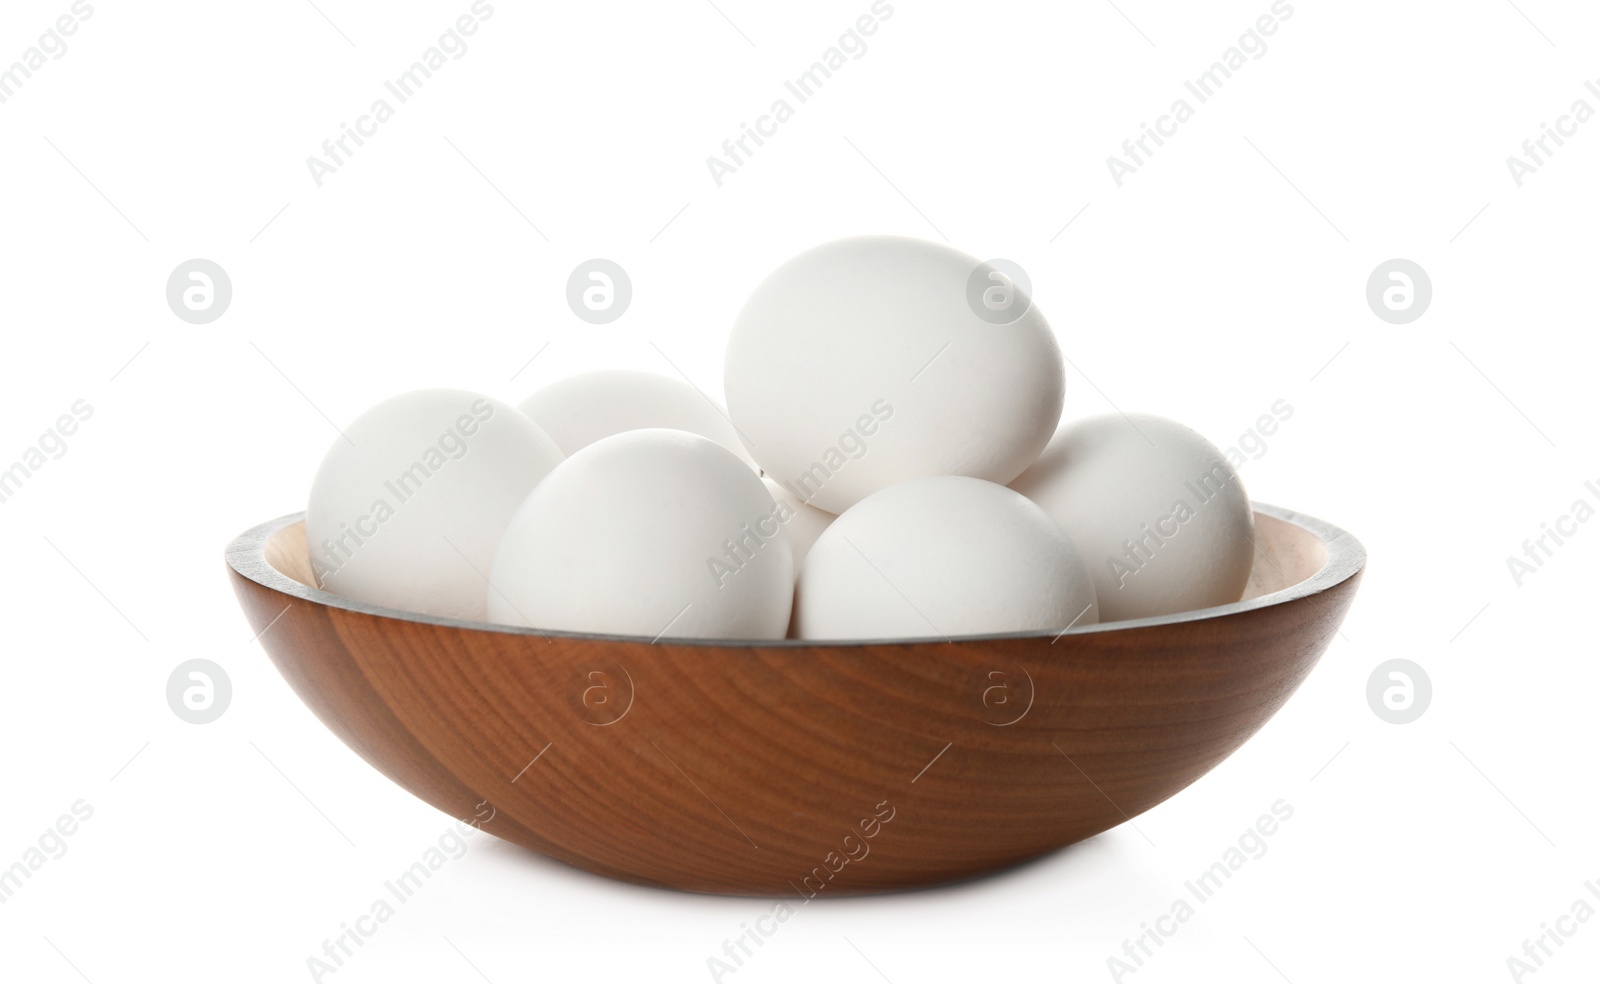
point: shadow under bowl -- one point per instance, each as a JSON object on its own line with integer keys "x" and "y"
{"x": 777, "y": 768}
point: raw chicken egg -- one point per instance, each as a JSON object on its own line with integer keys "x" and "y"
{"x": 580, "y": 410}
{"x": 1159, "y": 515}
{"x": 410, "y": 502}
{"x": 941, "y": 557}
{"x": 865, "y": 362}
{"x": 654, "y": 533}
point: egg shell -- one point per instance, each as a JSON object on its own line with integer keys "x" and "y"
{"x": 1159, "y": 515}
{"x": 941, "y": 557}
{"x": 804, "y": 523}
{"x": 410, "y": 502}
{"x": 654, "y": 533}
{"x": 862, "y": 363}
{"x": 580, "y": 410}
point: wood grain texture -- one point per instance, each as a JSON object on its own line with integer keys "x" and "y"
{"x": 789, "y": 768}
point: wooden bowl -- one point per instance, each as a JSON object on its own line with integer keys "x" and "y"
{"x": 786, "y": 767}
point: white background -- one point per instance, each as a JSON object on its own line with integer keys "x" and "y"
{"x": 1226, "y": 274}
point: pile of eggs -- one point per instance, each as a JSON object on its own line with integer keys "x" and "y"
{"x": 888, "y": 467}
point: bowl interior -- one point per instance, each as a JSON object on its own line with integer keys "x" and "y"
{"x": 1292, "y": 558}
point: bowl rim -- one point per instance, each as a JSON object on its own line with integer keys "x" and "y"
{"x": 1346, "y": 557}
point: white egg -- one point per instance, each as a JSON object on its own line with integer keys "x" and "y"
{"x": 580, "y": 410}
{"x": 410, "y": 503}
{"x": 1159, "y": 515}
{"x": 941, "y": 557}
{"x": 647, "y": 533}
{"x": 864, "y": 362}
{"x": 804, "y": 523}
